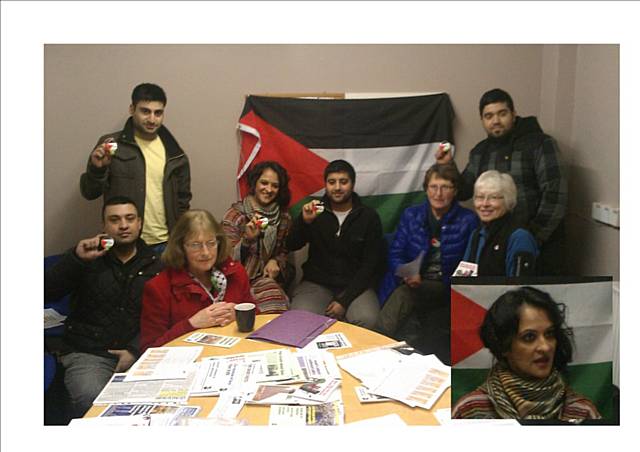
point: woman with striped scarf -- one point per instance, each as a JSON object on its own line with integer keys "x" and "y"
{"x": 256, "y": 228}
{"x": 526, "y": 333}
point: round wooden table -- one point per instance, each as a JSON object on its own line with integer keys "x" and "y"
{"x": 360, "y": 339}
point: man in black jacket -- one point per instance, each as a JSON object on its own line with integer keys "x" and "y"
{"x": 346, "y": 251}
{"x": 101, "y": 331}
{"x": 145, "y": 163}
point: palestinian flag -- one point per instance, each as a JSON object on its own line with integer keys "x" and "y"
{"x": 588, "y": 312}
{"x": 390, "y": 142}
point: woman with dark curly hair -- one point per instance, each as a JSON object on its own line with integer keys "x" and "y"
{"x": 526, "y": 333}
{"x": 256, "y": 228}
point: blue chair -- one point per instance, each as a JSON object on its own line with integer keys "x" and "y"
{"x": 388, "y": 240}
{"x": 49, "y": 369}
{"x": 62, "y": 306}
{"x": 59, "y": 304}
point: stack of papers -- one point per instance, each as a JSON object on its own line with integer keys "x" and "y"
{"x": 220, "y": 373}
{"x": 136, "y": 415}
{"x": 165, "y": 415}
{"x": 158, "y": 386}
{"x": 325, "y": 414}
{"x": 257, "y": 378}
{"x": 163, "y": 363}
{"x": 414, "y": 379}
{"x": 316, "y": 365}
{"x": 119, "y": 391}
{"x": 364, "y": 396}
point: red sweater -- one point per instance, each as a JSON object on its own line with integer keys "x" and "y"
{"x": 172, "y": 297}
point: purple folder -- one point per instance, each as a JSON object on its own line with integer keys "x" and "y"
{"x": 296, "y": 328}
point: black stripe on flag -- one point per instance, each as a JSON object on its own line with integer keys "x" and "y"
{"x": 358, "y": 123}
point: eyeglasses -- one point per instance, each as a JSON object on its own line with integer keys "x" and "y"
{"x": 490, "y": 198}
{"x": 199, "y": 246}
{"x": 437, "y": 188}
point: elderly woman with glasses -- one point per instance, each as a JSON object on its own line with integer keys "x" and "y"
{"x": 525, "y": 331}
{"x": 199, "y": 287}
{"x": 437, "y": 229}
{"x": 500, "y": 246}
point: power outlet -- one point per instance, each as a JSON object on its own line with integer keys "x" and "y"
{"x": 606, "y": 214}
{"x": 597, "y": 212}
{"x": 614, "y": 217}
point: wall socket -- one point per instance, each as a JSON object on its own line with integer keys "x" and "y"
{"x": 606, "y": 214}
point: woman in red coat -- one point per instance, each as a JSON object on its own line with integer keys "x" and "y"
{"x": 199, "y": 287}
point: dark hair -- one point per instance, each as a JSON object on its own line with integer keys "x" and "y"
{"x": 116, "y": 200}
{"x": 340, "y": 166}
{"x": 148, "y": 92}
{"x": 447, "y": 172}
{"x": 493, "y": 96}
{"x": 501, "y": 323}
{"x": 284, "y": 195}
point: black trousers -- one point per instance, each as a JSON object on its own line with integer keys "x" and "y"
{"x": 551, "y": 261}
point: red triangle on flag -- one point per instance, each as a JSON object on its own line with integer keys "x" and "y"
{"x": 466, "y": 319}
{"x": 305, "y": 168}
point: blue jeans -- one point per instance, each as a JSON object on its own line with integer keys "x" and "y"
{"x": 84, "y": 376}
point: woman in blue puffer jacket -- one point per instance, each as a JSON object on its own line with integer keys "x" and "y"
{"x": 439, "y": 229}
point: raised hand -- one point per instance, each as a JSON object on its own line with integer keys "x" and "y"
{"x": 101, "y": 156}
{"x": 87, "y": 249}
{"x": 251, "y": 229}
{"x": 443, "y": 154}
{"x": 311, "y": 210}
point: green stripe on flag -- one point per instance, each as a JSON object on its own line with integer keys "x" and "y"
{"x": 389, "y": 207}
{"x": 590, "y": 380}
{"x": 594, "y": 381}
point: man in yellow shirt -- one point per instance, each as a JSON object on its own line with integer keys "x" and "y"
{"x": 145, "y": 163}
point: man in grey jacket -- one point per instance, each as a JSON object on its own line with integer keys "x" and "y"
{"x": 145, "y": 163}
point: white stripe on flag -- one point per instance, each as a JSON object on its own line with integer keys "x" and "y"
{"x": 588, "y": 312}
{"x": 389, "y": 170}
{"x": 251, "y": 131}
{"x": 480, "y": 360}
